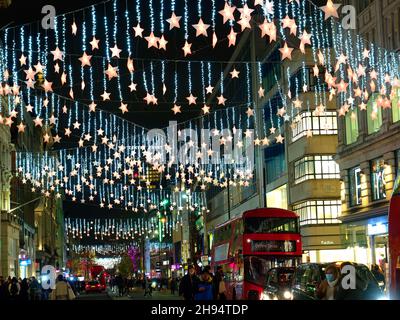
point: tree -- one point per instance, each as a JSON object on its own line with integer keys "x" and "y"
{"x": 125, "y": 267}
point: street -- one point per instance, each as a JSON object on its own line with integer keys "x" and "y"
{"x": 135, "y": 294}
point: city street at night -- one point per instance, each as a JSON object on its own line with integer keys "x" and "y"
{"x": 199, "y": 158}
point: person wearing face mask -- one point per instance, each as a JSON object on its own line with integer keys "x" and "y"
{"x": 328, "y": 289}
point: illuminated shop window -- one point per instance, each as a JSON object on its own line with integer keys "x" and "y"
{"x": 378, "y": 184}
{"x": 316, "y": 168}
{"x": 318, "y": 212}
{"x": 325, "y": 124}
{"x": 351, "y": 119}
{"x": 396, "y": 106}
{"x": 374, "y": 114}
{"x": 355, "y": 186}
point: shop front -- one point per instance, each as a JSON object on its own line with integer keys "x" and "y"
{"x": 368, "y": 239}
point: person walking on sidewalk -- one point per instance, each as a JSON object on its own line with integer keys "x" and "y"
{"x": 147, "y": 287}
{"x": 188, "y": 285}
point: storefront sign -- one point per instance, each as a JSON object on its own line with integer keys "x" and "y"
{"x": 376, "y": 229}
{"x": 25, "y": 262}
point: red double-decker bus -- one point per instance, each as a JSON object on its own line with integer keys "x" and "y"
{"x": 249, "y": 246}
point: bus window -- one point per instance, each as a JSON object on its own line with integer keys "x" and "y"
{"x": 256, "y": 225}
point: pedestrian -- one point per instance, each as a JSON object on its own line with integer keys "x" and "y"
{"x": 328, "y": 289}
{"x": 148, "y": 289}
{"x": 14, "y": 289}
{"x": 188, "y": 284}
{"x": 3, "y": 289}
{"x": 204, "y": 288}
{"x": 379, "y": 276}
{"x": 63, "y": 290}
{"x": 35, "y": 290}
{"x": 24, "y": 290}
{"x": 173, "y": 285}
{"x": 219, "y": 288}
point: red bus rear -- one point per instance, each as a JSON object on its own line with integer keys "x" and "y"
{"x": 249, "y": 246}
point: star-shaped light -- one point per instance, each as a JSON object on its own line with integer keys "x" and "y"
{"x": 63, "y": 78}
{"x": 57, "y": 54}
{"x": 76, "y": 125}
{"x": 132, "y": 86}
{"x": 105, "y": 96}
{"x": 221, "y": 100}
{"x": 94, "y": 43}
{"x": 85, "y": 60}
{"x": 286, "y": 52}
{"x": 21, "y": 127}
{"x": 115, "y": 51}
{"x": 249, "y": 112}
{"x": 214, "y": 40}
{"x": 290, "y": 24}
{"x": 330, "y": 10}
{"x": 47, "y": 86}
{"x": 191, "y": 99}
{"x": 138, "y": 31}
{"x": 227, "y": 12}
{"x": 176, "y": 109}
{"x": 209, "y": 89}
{"x": 74, "y": 28}
{"x": 152, "y": 40}
{"x": 22, "y": 60}
{"x": 244, "y": 23}
{"x": 173, "y": 21}
{"x": 162, "y": 43}
{"x": 187, "y": 48}
{"x": 279, "y": 139}
{"x": 92, "y": 107}
{"x": 30, "y": 74}
{"x": 123, "y": 107}
{"x": 261, "y": 92}
{"x": 38, "y": 121}
{"x": 232, "y": 38}
{"x": 201, "y": 28}
{"x": 206, "y": 109}
{"x": 245, "y": 12}
{"x": 111, "y": 72}
{"x": 29, "y": 108}
{"x": 234, "y": 73}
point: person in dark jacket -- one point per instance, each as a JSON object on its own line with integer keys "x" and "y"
{"x": 24, "y": 291}
{"x": 188, "y": 285}
{"x": 378, "y": 274}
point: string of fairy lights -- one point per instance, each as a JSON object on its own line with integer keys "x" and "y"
{"x": 77, "y": 81}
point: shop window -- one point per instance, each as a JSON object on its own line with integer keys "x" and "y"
{"x": 378, "y": 184}
{"x": 396, "y": 107}
{"x": 351, "y": 120}
{"x": 316, "y": 168}
{"x": 355, "y": 186}
{"x": 319, "y": 125}
{"x": 318, "y": 212}
{"x": 374, "y": 114}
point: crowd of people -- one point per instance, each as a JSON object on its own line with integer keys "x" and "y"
{"x": 204, "y": 286}
{"x": 332, "y": 288}
{"x": 14, "y": 289}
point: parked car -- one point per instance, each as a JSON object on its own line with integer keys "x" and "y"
{"x": 279, "y": 284}
{"x": 309, "y": 276}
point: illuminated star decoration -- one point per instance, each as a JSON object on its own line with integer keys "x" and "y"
{"x": 330, "y": 10}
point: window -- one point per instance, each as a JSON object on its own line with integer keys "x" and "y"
{"x": 355, "y": 186}
{"x": 378, "y": 184}
{"x": 277, "y": 198}
{"x": 374, "y": 114}
{"x": 318, "y": 212}
{"x": 319, "y": 125}
{"x": 396, "y": 106}
{"x": 397, "y": 162}
{"x": 257, "y": 225}
{"x": 351, "y": 120}
{"x": 275, "y": 162}
{"x": 316, "y": 168}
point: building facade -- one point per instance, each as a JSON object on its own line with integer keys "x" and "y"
{"x": 369, "y": 150}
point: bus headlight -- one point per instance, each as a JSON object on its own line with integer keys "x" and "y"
{"x": 287, "y": 295}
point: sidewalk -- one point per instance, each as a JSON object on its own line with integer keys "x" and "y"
{"x": 138, "y": 294}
